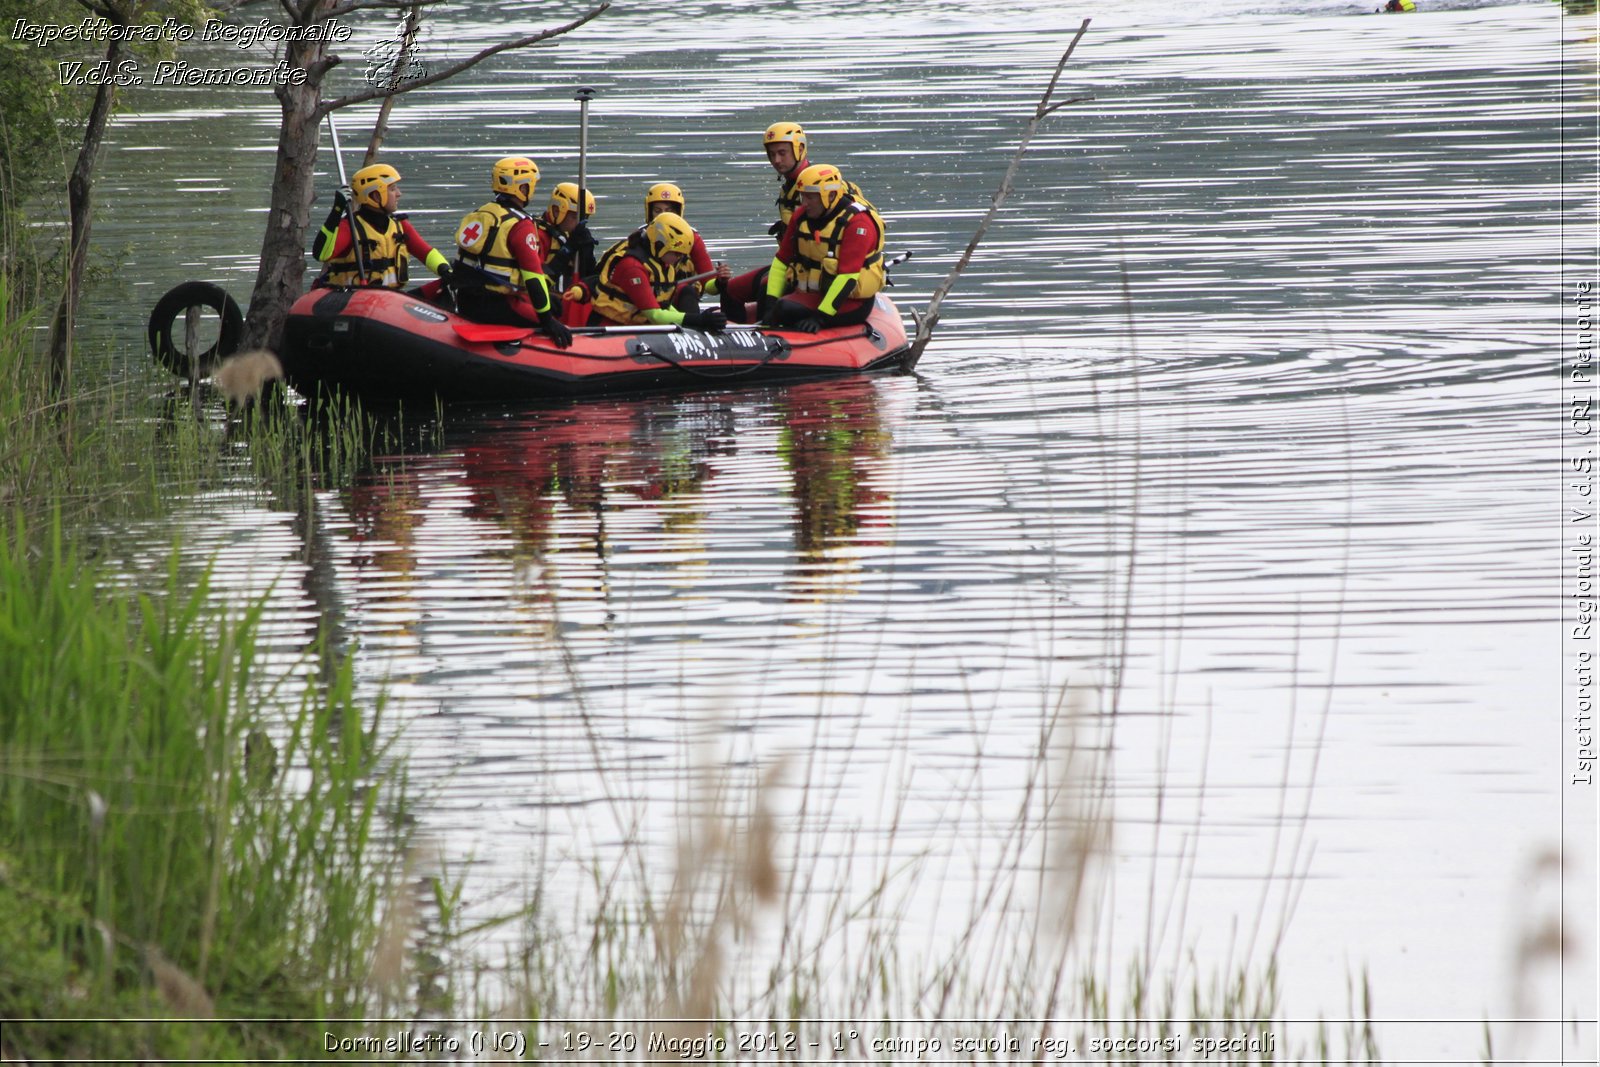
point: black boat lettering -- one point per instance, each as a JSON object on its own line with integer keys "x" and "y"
{"x": 422, "y": 311}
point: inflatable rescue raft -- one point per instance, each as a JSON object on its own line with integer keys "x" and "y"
{"x": 382, "y": 344}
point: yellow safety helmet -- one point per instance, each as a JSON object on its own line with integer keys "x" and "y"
{"x": 664, "y": 193}
{"x": 516, "y": 175}
{"x": 825, "y": 181}
{"x": 368, "y": 183}
{"x": 788, "y": 133}
{"x": 564, "y": 201}
{"x": 667, "y": 232}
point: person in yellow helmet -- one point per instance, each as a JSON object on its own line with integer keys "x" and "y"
{"x": 498, "y": 259}
{"x": 1398, "y": 5}
{"x": 829, "y": 265}
{"x": 786, "y": 147}
{"x": 664, "y": 196}
{"x": 564, "y": 237}
{"x": 567, "y": 248}
{"x": 643, "y": 279}
{"x": 387, "y": 239}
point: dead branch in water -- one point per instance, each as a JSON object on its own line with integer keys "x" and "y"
{"x": 927, "y": 319}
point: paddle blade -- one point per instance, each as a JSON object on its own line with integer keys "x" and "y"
{"x": 482, "y": 333}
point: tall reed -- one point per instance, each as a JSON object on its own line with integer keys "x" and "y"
{"x": 175, "y": 847}
{"x": 183, "y": 834}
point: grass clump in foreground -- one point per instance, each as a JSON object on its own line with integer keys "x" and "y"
{"x": 759, "y": 946}
{"x": 165, "y": 851}
{"x": 181, "y": 836}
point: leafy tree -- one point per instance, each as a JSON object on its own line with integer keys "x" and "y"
{"x": 37, "y": 115}
{"x": 47, "y": 88}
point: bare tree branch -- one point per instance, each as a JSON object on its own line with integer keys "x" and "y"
{"x": 280, "y": 277}
{"x": 930, "y": 316}
{"x": 456, "y": 68}
{"x": 105, "y": 11}
{"x": 228, "y": 7}
{"x": 357, "y": 5}
{"x": 1050, "y": 90}
{"x": 316, "y": 70}
{"x": 1063, "y": 103}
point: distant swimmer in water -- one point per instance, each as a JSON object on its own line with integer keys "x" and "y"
{"x": 1398, "y": 5}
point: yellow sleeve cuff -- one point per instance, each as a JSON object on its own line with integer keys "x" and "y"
{"x": 538, "y": 287}
{"x": 324, "y": 247}
{"x": 843, "y": 285}
{"x": 777, "y": 274}
{"x": 435, "y": 260}
{"x": 664, "y": 316}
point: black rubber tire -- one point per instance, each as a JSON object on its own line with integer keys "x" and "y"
{"x": 175, "y": 303}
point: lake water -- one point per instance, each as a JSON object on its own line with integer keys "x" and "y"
{"x": 1243, "y": 439}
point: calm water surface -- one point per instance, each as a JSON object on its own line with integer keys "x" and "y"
{"x": 1241, "y": 436}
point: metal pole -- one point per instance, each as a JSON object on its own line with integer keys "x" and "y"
{"x": 583, "y": 97}
{"x": 583, "y": 263}
{"x": 350, "y": 209}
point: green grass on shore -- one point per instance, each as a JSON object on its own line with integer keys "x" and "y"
{"x": 182, "y": 834}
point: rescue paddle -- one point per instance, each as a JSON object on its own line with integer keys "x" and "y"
{"x": 702, "y": 276}
{"x": 486, "y": 333}
{"x": 583, "y": 262}
{"x": 349, "y": 204}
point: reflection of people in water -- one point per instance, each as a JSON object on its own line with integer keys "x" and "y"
{"x": 564, "y": 483}
{"x": 557, "y": 481}
{"x": 573, "y": 461}
{"x": 834, "y": 443}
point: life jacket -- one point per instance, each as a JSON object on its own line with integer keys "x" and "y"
{"x": 789, "y": 197}
{"x": 611, "y": 302}
{"x": 817, "y": 254}
{"x": 483, "y": 241}
{"x": 383, "y": 246}
{"x": 559, "y": 265}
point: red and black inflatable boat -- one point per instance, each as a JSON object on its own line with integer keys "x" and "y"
{"x": 381, "y": 344}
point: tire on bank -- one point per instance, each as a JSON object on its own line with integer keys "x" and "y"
{"x": 169, "y": 310}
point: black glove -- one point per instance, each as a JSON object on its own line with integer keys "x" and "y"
{"x": 341, "y": 202}
{"x": 580, "y": 239}
{"x": 447, "y": 274}
{"x": 776, "y": 229}
{"x": 556, "y": 330}
{"x": 809, "y": 324}
{"x": 712, "y": 320}
{"x": 331, "y": 224}
{"x": 766, "y": 310}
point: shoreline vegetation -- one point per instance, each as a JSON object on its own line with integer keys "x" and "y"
{"x": 183, "y": 833}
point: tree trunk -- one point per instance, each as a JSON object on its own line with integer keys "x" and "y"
{"x": 281, "y": 276}
{"x": 80, "y": 214}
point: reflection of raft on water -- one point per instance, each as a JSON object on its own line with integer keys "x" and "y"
{"x": 382, "y": 344}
